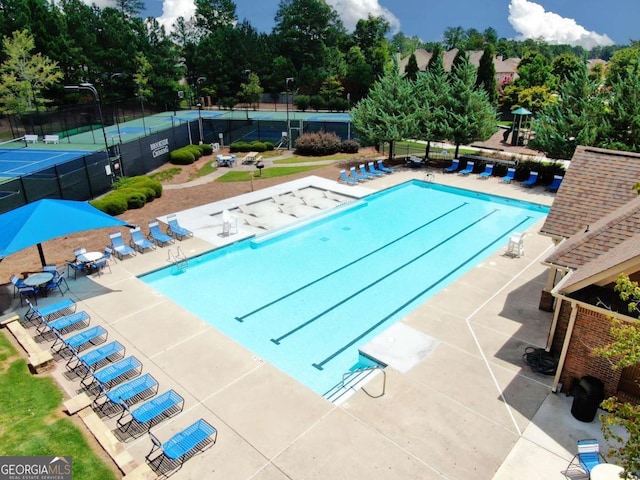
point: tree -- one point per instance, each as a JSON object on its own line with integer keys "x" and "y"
{"x": 432, "y": 92}
{"x": 386, "y": 114}
{"x": 411, "y": 70}
{"x": 624, "y": 352}
{"x": 575, "y": 119}
{"x": 24, "y": 75}
{"x": 564, "y": 65}
{"x": 359, "y": 77}
{"x": 470, "y": 115}
{"x": 131, "y": 8}
{"x": 454, "y": 37}
{"x": 618, "y": 67}
{"x": 624, "y": 111}
{"x": 251, "y": 91}
{"x": 486, "y": 79}
{"x": 211, "y": 14}
{"x": 370, "y": 36}
{"x": 304, "y": 30}
{"x": 435, "y": 62}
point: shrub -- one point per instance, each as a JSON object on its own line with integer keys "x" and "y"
{"x": 195, "y": 149}
{"x": 320, "y": 143}
{"x": 141, "y": 182}
{"x": 206, "y": 149}
{"x": 239, "y": 147}
{"x": 134, "y": 198}
{"x": 269, "y": 146}
{"x": 317, "y": 102}
{"x": 181, "y": 156}
{"x": 349, "y": 146}
{"x": 302, "y": 102}
{"x": 111, "y": 204}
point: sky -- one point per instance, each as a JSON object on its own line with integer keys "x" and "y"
{"x": 587, "y": 23}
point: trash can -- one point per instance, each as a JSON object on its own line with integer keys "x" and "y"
{"x": 588, "y": 394}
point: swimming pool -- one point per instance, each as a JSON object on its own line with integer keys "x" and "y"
{"x": 305, "y": 299}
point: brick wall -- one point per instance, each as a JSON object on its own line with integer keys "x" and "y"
{"x": 590, "y": 331}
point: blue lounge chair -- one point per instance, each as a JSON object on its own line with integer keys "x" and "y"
{"x": 138, "y": 421}
{"x": 66, "y": 324}
{"x": 175, "y": 230}
{"x": 140, "y": 243}
{"x": 555, "y": 185}
{"x": 453, "y": 167}
{"x": 531, "y": 181}
{"x": 49, "y": 312}
{"x": 488, "y": 171}
{"x": 588, "y": 456}
{"x": 345, "y": 179}
{"x": 468, "y": 169}
{"x": 111, "y": 375}
{"x": 356, "y": 175}
{"x": 171, "y": 455}
{"x": 109, "y": 403}
{"x": 156, "y": 236}
{"x": 120, "y": 249}
{"x": 373, "y": 169}
{"x": 511, "y": 174}
{"x": 363, "y": 171}
{"x": 85, "y": 364}
{"x": 80, "y": 341}
{"x": 382, "y": 167}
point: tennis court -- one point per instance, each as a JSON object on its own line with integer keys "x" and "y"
{"x": 16, "y": 161}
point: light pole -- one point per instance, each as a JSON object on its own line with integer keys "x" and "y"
{"x": 200, "y": 121}
{"x": 286, "y": 84}
{"x": 199, "y": 81}
{"x": 90, "y": 88}
{"x": 141, "y": 95}
{"x": 247, "y": 74}
{"x": 117, "y": 75}
{"x": 349, "y": 113}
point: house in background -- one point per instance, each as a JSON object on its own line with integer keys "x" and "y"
{"x": 595, "y": 222}
{"x": 506, "y": 70}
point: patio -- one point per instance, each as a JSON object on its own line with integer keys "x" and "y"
{"x": 470, "y": 409}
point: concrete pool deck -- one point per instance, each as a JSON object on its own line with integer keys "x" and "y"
{"x": 470, "y": 409}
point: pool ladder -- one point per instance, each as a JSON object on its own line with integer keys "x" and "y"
{"x": 354, "y": 379}
{"x": 179, "y": 260}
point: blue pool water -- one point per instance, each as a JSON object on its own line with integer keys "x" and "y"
{"x": 306, "y": 299}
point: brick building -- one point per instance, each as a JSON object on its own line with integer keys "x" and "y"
{"x": 595, "y": 222}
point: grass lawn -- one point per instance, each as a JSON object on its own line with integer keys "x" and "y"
{"x": 299, "y": 159}
{"x": 243, "y": 176}
{"x": 32, "y": 422}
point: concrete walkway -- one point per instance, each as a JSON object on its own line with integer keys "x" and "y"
{"x": 471, "y": 409}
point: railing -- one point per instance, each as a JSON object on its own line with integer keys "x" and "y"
{"x": 358, "y": 371}
{"x": 179, "y": 260}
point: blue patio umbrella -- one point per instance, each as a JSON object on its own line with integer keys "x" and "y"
{"x": 47, "y": 219}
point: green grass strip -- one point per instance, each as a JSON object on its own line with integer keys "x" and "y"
{"x": 328, "y": 158}
{"x": 29, "y": 423}
{"x": 243, "y": 176}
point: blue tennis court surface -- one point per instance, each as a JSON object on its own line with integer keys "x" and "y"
{"x": 23, "y": 161}
{"x": 333, "y": 117}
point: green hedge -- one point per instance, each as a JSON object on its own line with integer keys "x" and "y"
{"x": 255, "y": 146}
{"x": 129, "y": 193}
{"x": 181, "y": 156}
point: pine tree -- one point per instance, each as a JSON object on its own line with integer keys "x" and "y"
{"x": 411, "y": 70}
{"x": 387, "y": 113}
{"x": 470, "y": 116}
{"x": 487, "y": 75}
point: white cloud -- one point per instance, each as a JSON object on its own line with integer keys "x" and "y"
{"x": 351, "y": 11}
{"x": 531, "y": 20}
{"x": 172, "y": 9}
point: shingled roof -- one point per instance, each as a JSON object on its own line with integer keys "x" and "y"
{"x": 597, "y": 182}
{"x": 608, "y": 248}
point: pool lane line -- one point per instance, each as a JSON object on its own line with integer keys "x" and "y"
{"x": 379, "y": 279}
{"x": 321, "y": 364}
{"x": 307, "y": 285}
